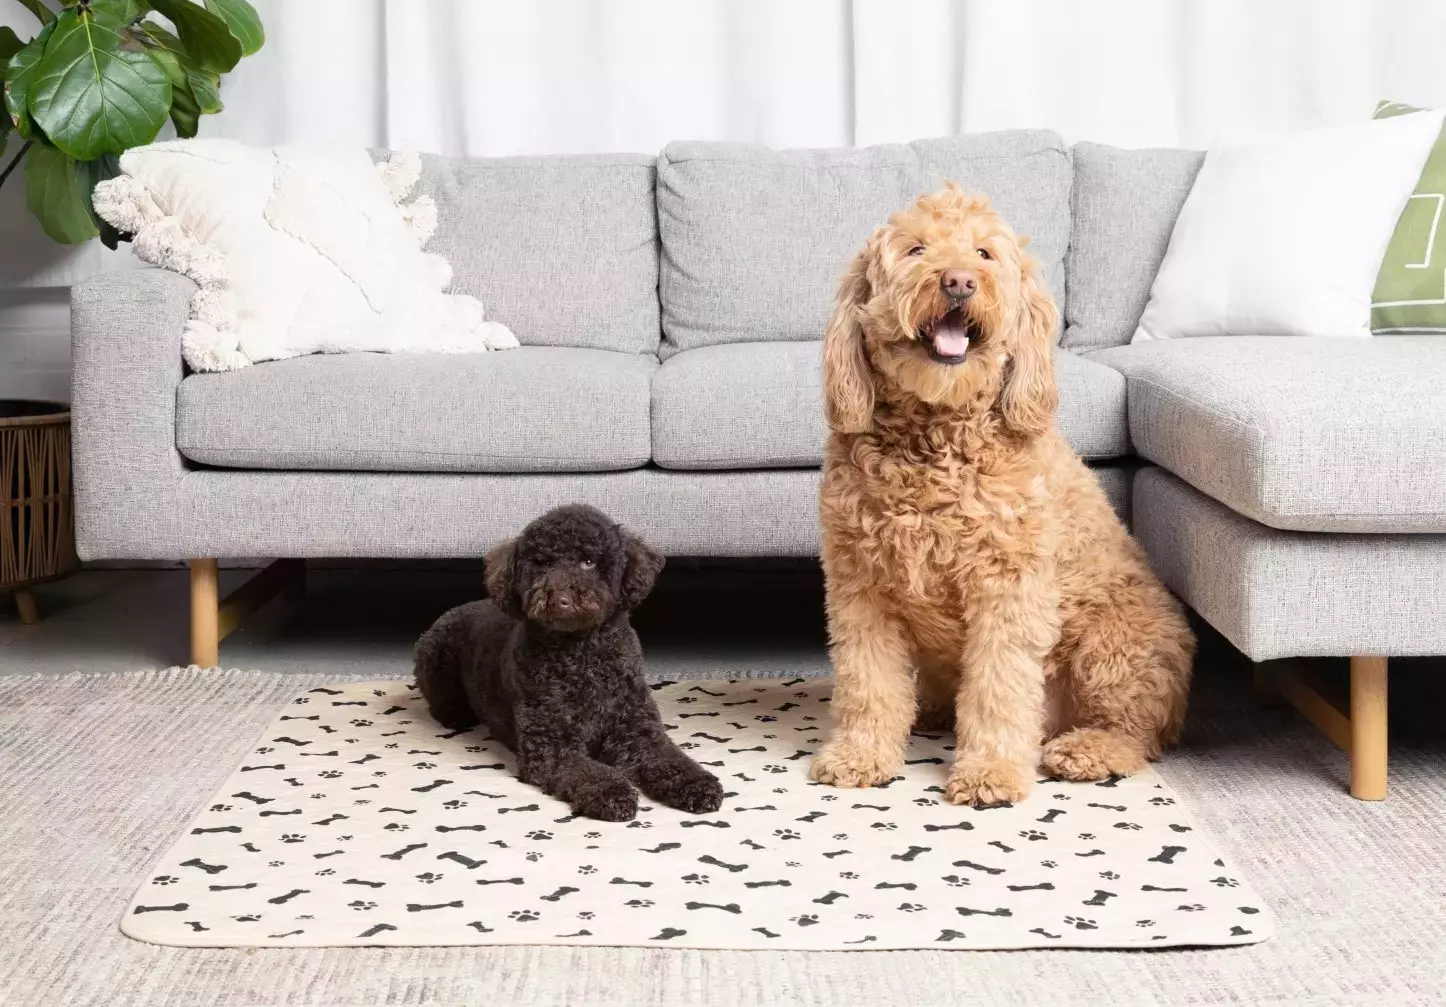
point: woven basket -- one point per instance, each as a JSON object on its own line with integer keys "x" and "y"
{"x": 37, "y": 512}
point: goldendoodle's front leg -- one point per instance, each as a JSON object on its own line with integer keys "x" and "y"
{"x": 873, "y": 694}
{"x": 999, "y": 712}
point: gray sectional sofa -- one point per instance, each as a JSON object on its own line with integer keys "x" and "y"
{"x": 1292, "y": 491}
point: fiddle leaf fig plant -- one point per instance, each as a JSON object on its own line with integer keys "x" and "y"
{"x": 102, "y": 76}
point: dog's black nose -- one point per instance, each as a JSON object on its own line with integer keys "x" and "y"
{"x": 959, "y": 284}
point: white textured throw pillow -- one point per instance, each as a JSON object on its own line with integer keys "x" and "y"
{"x": 1286, "y": 236}
{"x": 296, "y": 251}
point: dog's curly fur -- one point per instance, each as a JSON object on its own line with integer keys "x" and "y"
{"x": 552, "y": 666}
{"x": 976, "y": 573}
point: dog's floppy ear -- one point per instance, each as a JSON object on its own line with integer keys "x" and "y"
{"x": 501, "y": 578}
{"x": 1030, "y": 396}
{"x": 848, "y": 388}
{"x": 644, "y": 563}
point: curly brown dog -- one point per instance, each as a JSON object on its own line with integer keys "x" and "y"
{"x": 972, "y": 562}
{"x": 551, "y": 664}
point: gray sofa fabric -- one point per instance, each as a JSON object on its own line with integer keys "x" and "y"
{"x": 1124, "y": 205}
{"x": 760, "y": 405}
{"x": 533, "y": 409}
{"x": 563, "y": 250}
{"x": 1293, "y": 594}
{"x": 740, "y": 406}
{"x": 1329, "y": 435}
{"x": 754, "y": 240}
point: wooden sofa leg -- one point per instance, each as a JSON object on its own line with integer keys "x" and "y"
{"x": 1368, "y": 728}
{"x": 205, "y": 613}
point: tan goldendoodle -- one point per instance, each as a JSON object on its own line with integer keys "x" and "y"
{"x": 976, "y": 573}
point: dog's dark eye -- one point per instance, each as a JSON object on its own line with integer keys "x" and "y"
{"x": 587, "y": 564}
{"x": 917, "y": 250}
{"x": 984, "y": 254}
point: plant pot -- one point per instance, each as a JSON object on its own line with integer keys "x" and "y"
{"x": 37, "y": 510}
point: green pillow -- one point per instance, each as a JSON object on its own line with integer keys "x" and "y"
{"x": 1410, "y": 294}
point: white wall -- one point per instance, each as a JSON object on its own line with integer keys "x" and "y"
{"x": 496, "y": 77}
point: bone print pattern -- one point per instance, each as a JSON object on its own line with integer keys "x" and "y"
{"x": 357, "y": 820}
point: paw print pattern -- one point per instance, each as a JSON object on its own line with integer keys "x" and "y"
{"x": 429, "y": 878}
{"x": 1080, "y": 923}
{"x": 638, "y": 903}
{"x": 640, "y": 824}
{"x": 1224, "y": 882}
{"x": 592, "y": 835}
{"x": 249, "y": 917}
{"x": 424, "y": 765}
{"x": 786, "y": 834}
{"x": 910, "y": 907}
{"x": 164, "y": 879}
{"x": 1109, "y": 875}
{"x": 454, "y": 804}
{"x": 863, "y": 916}
{"x": 780, "y": 790}
{"x": 393, "y": 744}
{"x": 771, "y": 768}
{"x": 292, "y": 837}
{"x": 806, "y": 920}
{"x": 1086, "y": 835}
{"x": 325, "y": 872}
{"x": 828, "y": 797}
{"x": 1127, "y": 826}
{"x": 220, "y": 807}
{"x": 884, "y": 826}
{"x": 379, "y": 692}
{"x": 470, "y": 748}
{"x": 301, "y": 701}
{"x": 955, "y": 880}
{"x": 1162, "y": 800}
{"x": 1144, "y": 923}
{"x": 695, "y": 879}
{"x": 587, "y": 869}
{"x": 316, "y": 797}
{"x": 840, "y": 835}
{"x": 396, "y": 826}
{"x": 523, "y": 915}
{"x": 1033, "y": 835}
{"x": 329, "y": 774}
{"x": 539, "y": 835}
{"x": 1194, "y": 908}
{"x": 265, "y": 750}
{"x": 361, "y": 723}
{"x": 791, "y": 863}
{"x": 361, "y": 905}
{"x": 924, "y": 801}
{"x": 585, "y": 915}
{"x": 848, "y": 875}
{"x": 1048, "y": 863}
{"x": 534, "y": 856}
{"x": 276, "y": 863}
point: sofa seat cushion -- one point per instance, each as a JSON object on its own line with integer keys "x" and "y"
{"x": 533, "y": 409}
{"x": 1300, "y": 433}
{"x": 760, "y": 405}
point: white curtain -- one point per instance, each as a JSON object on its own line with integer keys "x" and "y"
{"x": 499, "y": 77}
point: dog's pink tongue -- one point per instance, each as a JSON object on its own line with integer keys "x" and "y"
{"x": 950, "y": 339}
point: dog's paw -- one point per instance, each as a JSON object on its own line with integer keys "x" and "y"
{"x": 1091, "y": 754}
{"x": 697, "y": 796}
{"x": 843, "y": 764}
{"x": 454, "y": 718}
{"x": 984, "y": 783}
{"x": 608, "y": 803}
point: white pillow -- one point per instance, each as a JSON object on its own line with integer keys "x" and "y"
{"x": 295, "y": 251}
{"x": 1286, "y": 236}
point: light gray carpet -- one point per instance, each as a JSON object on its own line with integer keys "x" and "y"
{"x": 96, "y": 769}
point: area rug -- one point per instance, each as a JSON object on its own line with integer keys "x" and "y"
{"x": 357, "y": 820}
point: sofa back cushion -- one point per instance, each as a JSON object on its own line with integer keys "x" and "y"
{"x": 755, "y": 240}
{"x": 563, "y": 250}
{"x": 1124, "y": 204}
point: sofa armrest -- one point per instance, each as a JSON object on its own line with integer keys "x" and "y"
{"x": 125, "y": 333}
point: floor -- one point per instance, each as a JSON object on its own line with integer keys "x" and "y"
{"x": 1359, "y": 889}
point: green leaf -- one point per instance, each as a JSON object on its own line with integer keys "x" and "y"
{"x": 185, "y": 112}
{"x": 39, "y": 9}
{"x": 19, "y": 76}
{"x": 54, "y": 194}
{"x": 207, "y": 89}
{"x": 10, "y": 43}
{"x": 89, "y": 96}
{"x": 89, "y": 174}
{"x": 241, "y": 18}
{"x": 207, "y": 39}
